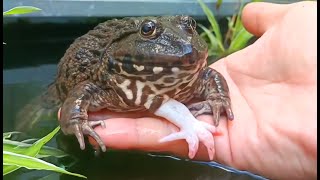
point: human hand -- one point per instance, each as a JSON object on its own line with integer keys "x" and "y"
{"x": 273, "y": 92}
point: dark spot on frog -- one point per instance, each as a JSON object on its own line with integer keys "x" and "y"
{"x": 169, "y": 80}
{"x": 153, "y": 77}
{"x": 192, "y": 60}
{"x": 139, "y": 57}
{"x": 113, "y": 66}
{"x": 127, "y": 64}
{"x": 177, "y": 63}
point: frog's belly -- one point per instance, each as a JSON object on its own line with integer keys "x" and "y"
{"x": 135, "y": 95}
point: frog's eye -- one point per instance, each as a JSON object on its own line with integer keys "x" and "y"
{"x": 148, "y": 29}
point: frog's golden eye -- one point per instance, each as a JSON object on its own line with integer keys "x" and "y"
{"x": 148, "y": 29}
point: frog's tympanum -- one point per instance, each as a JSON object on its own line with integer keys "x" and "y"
{"x": 153, "y": 64}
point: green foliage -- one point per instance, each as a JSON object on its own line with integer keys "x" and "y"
{"x": 21, "y": 154}
{"x": 21, "y": 10}
{"x": 235, "y": 39}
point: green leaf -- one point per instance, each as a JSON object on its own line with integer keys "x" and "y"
{"x": 7, "y": 135}
{"x": 218, "y": 4}
{"x": 20, "y": 148}
{"x": 28, "y": 162}
{"x": 9, "y": 168}
{"x": 32, "y": 150}
{"x": 21, "y": 10}
{"x": 238, "y": 26}
{"x": 240, "y": 41}
{"x": 213, "y": 22}
{"x": 35, "y": 148}
{"x": 212, "y": 38}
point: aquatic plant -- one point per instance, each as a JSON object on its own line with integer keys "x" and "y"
{"x": 235, "y": 39}
{"x": 17, "y": 154}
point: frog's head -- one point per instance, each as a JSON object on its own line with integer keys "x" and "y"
{"x": 159, "y": 45}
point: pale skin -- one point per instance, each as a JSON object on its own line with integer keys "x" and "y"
{"x": 273, "y": 92}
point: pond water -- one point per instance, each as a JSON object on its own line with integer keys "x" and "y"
{"x": 31, "y": 54}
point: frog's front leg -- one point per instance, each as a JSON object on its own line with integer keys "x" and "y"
{"x": 74, "y": 116}
{"x": 214, "y": 89}
{"x": 192, "y": 130}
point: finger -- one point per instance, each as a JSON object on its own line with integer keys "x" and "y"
{"x": 258, "y": 17}
{"x": 59, "y": 113}
{"x": 144, "y": 134}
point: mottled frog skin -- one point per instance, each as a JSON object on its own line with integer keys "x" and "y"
{"x": 153, "y": 64}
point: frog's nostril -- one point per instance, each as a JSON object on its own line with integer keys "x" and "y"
{"x": 190, "y": 54}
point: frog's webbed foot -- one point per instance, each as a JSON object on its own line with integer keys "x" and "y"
{"x": 200, "y": 132}
{"x": 80, "y": 126}
{"x": 192, "y": 130}
{"x": 215, "y": 91}
{"x": 214, "y": 107}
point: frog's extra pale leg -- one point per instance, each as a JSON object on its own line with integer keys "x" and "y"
{"x": 74, "y": 117}
{"x": 191, "y": 129}
{"x": 215, "y": 91}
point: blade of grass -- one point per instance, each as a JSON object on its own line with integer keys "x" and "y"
{"x": 213, "y": 40}
{"x": 28, "y": 162}
{"x": 213, "y": 22}
{"x": 218, "y": 4}
{"x": 20, "y": 148}
{"x": 7, "y": 135}
{"x": 32, "y": 150}
{"x": 240, "y": 41}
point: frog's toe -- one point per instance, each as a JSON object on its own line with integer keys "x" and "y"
{"x": 208, "y": 126}
{"x": 87, "y": 129}
{"x": 219, "y": 106}
{"x": 201, "y": 132}
{"x": 200, "y": 108}
{"x": 214, "y": 107}
{"x": 206, "y": 138}
{"x": 84, "y": 127}
{"x": 78, "y": 133}
{"x": 96, "y": 123}
{"x": 191, "y": 138}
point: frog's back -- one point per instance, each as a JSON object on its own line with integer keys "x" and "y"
{"x": 86, "y": 53}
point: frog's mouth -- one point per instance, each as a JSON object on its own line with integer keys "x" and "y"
{"x": 146, "y": 59}
{"x": 157, "y": 64}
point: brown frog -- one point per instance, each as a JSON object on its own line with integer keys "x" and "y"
{"x": 150, "y": 64}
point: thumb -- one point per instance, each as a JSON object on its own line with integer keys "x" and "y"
{"x": 258, "y": 17}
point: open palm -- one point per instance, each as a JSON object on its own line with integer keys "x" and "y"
{"x": 273, "y": 91}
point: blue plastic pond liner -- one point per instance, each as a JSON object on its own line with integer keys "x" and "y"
{"x": 230, "y": 169}
{"x": 216, "y": 165}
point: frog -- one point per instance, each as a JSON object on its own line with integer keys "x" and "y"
{"x": 154, "y": 64}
